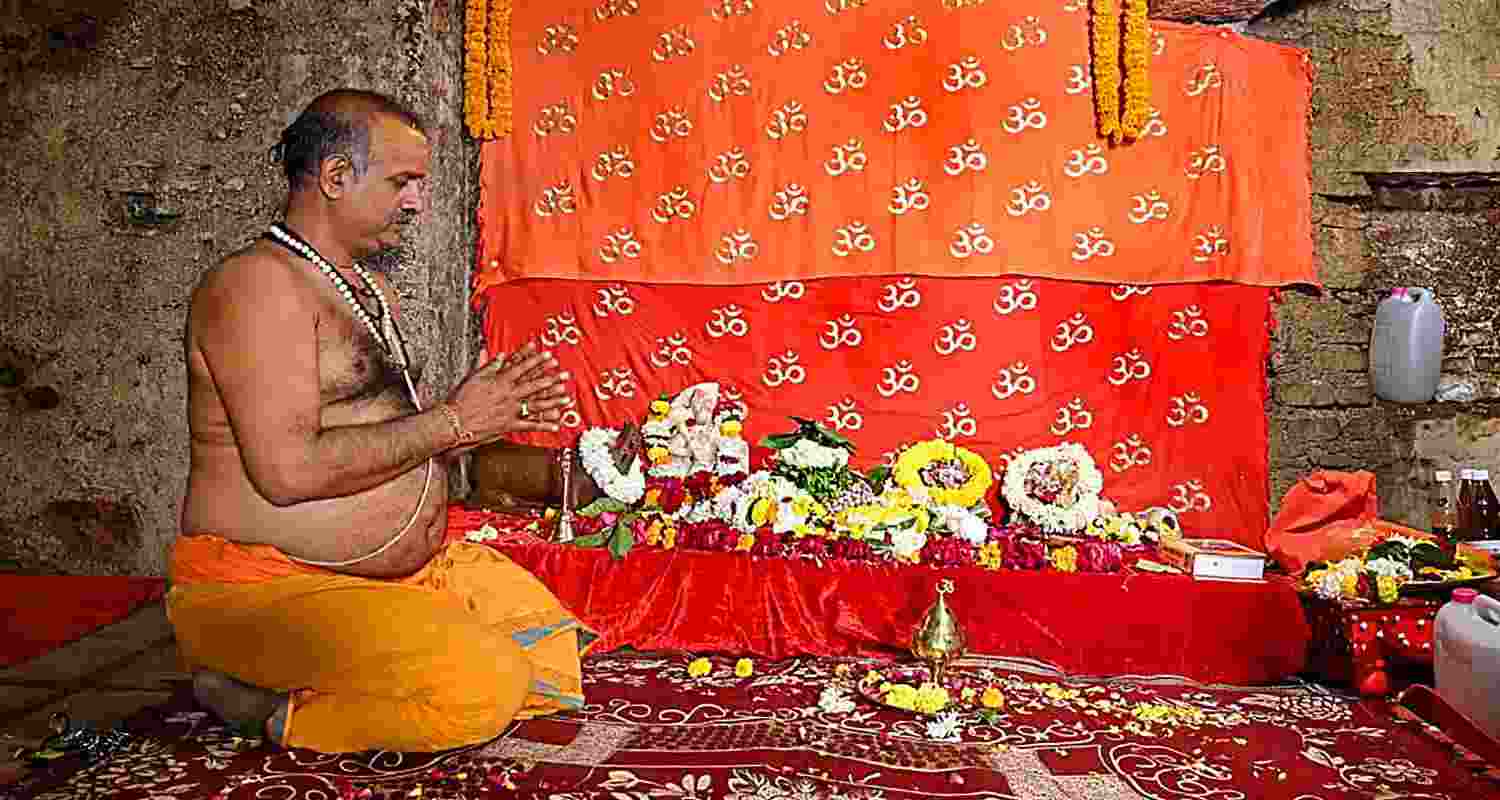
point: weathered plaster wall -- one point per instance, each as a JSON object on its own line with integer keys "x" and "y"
{"x": 1397, "y": 79}
{"x": 179, "y": 99}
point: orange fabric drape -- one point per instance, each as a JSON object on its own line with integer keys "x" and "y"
{"x": 744, "y": 143}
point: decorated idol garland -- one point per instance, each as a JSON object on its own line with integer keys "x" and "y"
{"x": 696, "y": 431}
{"x": 1056, "y": 488}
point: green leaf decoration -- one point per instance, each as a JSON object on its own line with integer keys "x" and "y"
{"x": 1427, "y": 554}
{"x": 621, "y": 541}
{"x": 601, "y": 506}
{"x": 592, "y": 540}
{"x": 877, "y": 476}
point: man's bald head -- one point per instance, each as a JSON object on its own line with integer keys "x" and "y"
{"x": 336, "y": 123}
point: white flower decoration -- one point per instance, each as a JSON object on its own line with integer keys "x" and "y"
{"x": 834, "y": 701}
{"x": 945, "y": 728}
{"x": 1050, "y": 517}
{"x": 593, "y": 450}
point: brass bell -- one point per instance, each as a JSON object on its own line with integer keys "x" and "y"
{"x": 938, "y": 638}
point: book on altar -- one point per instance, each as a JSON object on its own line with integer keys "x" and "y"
{"x": 1214, "y": 558}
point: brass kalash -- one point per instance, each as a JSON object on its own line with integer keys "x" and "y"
{"x": 938, "y": 638}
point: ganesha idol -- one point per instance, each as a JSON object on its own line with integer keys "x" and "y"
{"x": 696, "y": 431}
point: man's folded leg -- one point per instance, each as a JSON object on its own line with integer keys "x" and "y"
{"x": 369, "y": 664}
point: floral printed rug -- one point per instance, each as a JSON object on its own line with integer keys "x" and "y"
{"x": 677, "y": 728}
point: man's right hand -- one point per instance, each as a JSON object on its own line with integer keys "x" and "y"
{"x": 490, "y": 401}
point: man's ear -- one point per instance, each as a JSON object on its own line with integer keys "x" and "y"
{"x": 334, "y": 175}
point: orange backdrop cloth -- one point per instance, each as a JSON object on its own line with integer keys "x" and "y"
{"x": 1164, "y": 385}
{"x": 731, "y": 143}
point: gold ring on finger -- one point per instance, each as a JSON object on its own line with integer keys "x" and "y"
{"x": 525, "y": 409}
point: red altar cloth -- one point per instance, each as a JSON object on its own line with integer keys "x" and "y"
{"x": 1128, "y": 623}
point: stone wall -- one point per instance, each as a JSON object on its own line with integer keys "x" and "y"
{"x": 134, "y": 155}
{"x": 1399, "y": 83}
{"x": 134, "y": 151}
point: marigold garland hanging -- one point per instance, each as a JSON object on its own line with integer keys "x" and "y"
{"x": 1137, "y": 69}
{"x": 476, "y": 53}
{"x": 488, "y": 91}
{"x": 1105, "y": 42}
{"x": 1105, "y": 38}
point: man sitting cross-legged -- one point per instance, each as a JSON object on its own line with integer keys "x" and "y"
{"x": 312, "y": 588}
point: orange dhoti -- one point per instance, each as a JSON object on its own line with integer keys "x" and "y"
{"x": 443, "y": 658}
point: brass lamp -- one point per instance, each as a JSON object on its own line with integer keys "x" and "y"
{"x": 938, "y": 638}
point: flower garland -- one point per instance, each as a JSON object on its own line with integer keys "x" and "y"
{"x": 1105, "y": 38}
{"x": 1105, "y": 43}
{"x": 488, "y": 91}
{"x": 593, "y": 450}
{"x": 1378, "y": 573}
{"x": 912, "y": 465}
{"x": 1137, "y": 70}
{"x": 1054, "y": 517}
{"x": 476, "y": 88}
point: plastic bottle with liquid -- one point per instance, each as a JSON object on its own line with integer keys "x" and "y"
{"x": 1443, "y": 506}
{"x": 1486, "y": 508}
{"x": 1464, "y": 508}
{"x": 1406, "y": 346}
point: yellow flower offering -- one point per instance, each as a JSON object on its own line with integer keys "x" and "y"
{"x": 990, "y": 555}
{"x": 911, "y": 463}
{"x": 1388, "y": 588}
{"x": 968, "y": 694}
{"x": 992, "y": 698}
{"x": 699, "y": 667}
{"x": 1350, "y": 585}
{"x": 660, "y": 408}
{"x": 659, "y": 455}
{"x": 873, "y": 677}
{"x": 669, "y": 537}
{"x": 1065, "y": 559}
{"x": 653, "y": 533}
{"x": 902, "y": 696}
{"x": 730, "y": 427}
{"x": 745, "y": 542}
{"x": 744, "y": 668}
{"x": 930, "y": 699}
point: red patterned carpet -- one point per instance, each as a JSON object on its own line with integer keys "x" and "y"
{"x": 653, "y": 731}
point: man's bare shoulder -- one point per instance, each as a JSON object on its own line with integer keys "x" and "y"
{"x": 260, "y": 273}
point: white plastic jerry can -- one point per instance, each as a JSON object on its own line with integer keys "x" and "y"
{"x": 1466, "y": 657}
{"x": 1406, "y": 346}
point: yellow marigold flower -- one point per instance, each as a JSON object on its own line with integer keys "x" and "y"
{"x": 992, "y": 698}
{"x": 1058, "y": 693}
{"x": 802, "y": 505}
{"x": 873, "y": 677}
{"x": 1315, "y": 576}
{"x": 658, "y": 455}
{"x": 1349, "y": 586}
{"x": 745, "y": 542}
{"x": 857, "y": 532}
{"x": 699, "y": 667}
{"x": 930, "y": 699}
{"x": 669, "y": 537}
{"x": 990, "y": 555}
{"x": 763, "y": 512}
{"x": 1065, "y": 559}
{"x": 730, "y": 427}
{"x": 653, "y": 533}
{"x": 968, "y": 694}
{"x": 660, "y": 407}
{"x": 652, "y": 498}
{"x": 902, "y": 696}
{"x": 842, "y": 670}
{"x": 744, "y": 668}
{"x": 1388, "y": 588}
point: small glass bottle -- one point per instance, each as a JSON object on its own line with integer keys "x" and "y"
{"x": 1443, "y": 507}
{"x": 1486, "y": 507}
{"x": 1464, "y": 512}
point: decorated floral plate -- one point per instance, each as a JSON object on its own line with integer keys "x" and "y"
{"x": 909, "y": 689}
{"x": 1418, "y": 587}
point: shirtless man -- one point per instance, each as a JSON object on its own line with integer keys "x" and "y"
{"x": 312, "y": 588}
